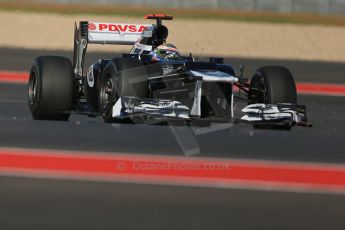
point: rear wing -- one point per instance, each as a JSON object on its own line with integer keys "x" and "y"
{"x": 111, "y": 33}
{"x": 102, "y": 33}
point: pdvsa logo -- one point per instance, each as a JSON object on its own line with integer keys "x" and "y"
{"x": 122, "y": 28}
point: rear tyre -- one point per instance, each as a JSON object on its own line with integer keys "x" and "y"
{"x": 121, "y": 77}
{"x": 272, "y": 85}
{"x": 50, "y": 88}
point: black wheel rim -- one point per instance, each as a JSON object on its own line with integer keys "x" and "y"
{"x": 107, "y": 94}
{"x": 258, "y": 91}
{"x": 263, "y": 91}
{"x": 33, "y": 89}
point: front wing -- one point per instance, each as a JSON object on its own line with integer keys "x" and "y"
{"x": 164, "y": 110}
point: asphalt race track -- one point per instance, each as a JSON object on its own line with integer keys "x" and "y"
{"x": 28, "y": 203}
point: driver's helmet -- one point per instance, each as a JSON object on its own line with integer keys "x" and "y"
{"x": 165, "y": 52}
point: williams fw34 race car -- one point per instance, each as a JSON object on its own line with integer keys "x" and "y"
{"x": 155, "y": 83}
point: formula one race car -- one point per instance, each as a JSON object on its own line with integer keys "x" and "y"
{"x": 154, "y": 82}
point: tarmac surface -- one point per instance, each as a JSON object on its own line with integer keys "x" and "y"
{"x": 61, "y": 204}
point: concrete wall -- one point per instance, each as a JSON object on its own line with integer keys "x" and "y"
{"x": 312, "y": 6}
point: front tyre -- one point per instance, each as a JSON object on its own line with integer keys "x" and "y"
{"x": 107, "y": 95}
{"x": 50, "y": 88}
{"x": 121, "y": 77}
{"x": 272, "y": 85}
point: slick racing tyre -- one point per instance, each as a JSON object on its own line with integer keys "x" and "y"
{"x": 50, "y": 89}
{"x": 121, "y": 77}
{"x": 272, "y": 85}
